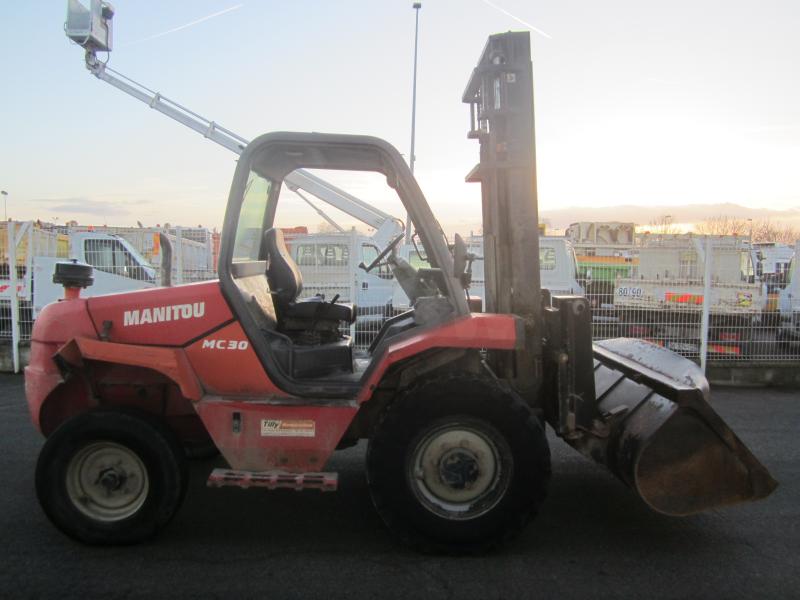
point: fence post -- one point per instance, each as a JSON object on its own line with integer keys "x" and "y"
{"x": 705, "y": 324}
{"x": 179, "y": 255}
{"x": 29, "y": 264}
{"x": 14, "y": 300}
{"x": 355, "y": 288}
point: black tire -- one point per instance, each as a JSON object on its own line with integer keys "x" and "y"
{"x": 420, "y": 443}
{"x": 127, "y": 468}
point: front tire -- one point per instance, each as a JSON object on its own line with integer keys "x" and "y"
{"x": 457, "y": 465}
{"x": 111, "y": 476}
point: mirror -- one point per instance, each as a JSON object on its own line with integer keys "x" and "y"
{"x": 459, "y": 256}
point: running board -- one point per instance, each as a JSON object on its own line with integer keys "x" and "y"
{"x": 273, "y": 480}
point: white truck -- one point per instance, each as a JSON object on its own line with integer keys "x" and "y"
{"x": 192, "y": 248}
{"x": 771, "y": 262}
{"x": 557, "y": 267}
{"x": 663, "y": 298}
{"x": 118, "y": 267}
{"x": 605, "y": 251}
{"x": 329, "y": 264}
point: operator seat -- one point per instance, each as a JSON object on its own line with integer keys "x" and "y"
{"x": 286, "y": 283}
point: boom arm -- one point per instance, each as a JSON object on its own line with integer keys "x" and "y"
{"x": 386, "y": 226}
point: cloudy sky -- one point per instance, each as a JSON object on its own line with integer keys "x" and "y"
{"x": 637, "y": 102}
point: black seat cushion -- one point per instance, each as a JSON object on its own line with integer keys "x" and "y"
{"x": 317, "y": 308}
{"x": 325, "y": 359}
{"x": 285, "y": 280}
{"x": 312, "y": 361}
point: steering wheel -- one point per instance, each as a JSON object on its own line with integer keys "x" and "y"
{"x": 384, "y": 253}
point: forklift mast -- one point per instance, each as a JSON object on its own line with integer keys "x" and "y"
{"x": 500, "y": 95}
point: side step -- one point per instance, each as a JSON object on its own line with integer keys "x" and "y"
{"x": 273, "y": 480}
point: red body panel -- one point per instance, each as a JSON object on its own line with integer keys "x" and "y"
{"x": 161, "y": 316}
{"x": 255, "y": 436}
{"x": 477, "y": 330}
{"x": 171, "y": 362}
{"x": 227, "y": 365}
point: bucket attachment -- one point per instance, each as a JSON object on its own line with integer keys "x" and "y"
{"x": 654, "y": 429}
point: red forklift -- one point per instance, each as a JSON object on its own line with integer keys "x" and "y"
{"x": 452, "y": 400}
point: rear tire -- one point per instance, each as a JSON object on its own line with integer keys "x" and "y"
{"x": 457, "y": 465}
{"x": 111, "y": 476}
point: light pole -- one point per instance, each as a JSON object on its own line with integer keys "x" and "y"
{"x": 5, "y": 207}
{"x": 416, "y": 6}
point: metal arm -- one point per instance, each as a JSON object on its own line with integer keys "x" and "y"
{"x": 385, "y": 225}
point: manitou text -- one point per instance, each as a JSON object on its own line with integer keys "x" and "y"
{"x": 160, "y": 314}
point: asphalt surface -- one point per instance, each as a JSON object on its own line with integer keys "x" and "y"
{"x": 593, "y": 538}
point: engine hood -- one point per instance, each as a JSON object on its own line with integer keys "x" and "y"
{"x": 171, "y": 316}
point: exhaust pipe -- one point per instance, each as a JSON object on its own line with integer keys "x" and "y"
{"x": 166, "y": 259}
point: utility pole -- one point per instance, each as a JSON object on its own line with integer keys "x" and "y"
{"x": 416, "y": 6}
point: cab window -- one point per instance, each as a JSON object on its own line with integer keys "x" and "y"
{"x": 334, "y": 255}
{"x": 247, "y": 245}
{"x": 112, "y": 257}
{"x": 306, "y": 255}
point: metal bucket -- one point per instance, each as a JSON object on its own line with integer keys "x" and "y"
{"x": 657, "y": 432}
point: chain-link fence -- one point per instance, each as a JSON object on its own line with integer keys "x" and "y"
{"x": 697, "y": 296}
{"x": 20, "y": 243}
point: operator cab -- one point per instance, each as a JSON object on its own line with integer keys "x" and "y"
{"x": 302, "y": 332}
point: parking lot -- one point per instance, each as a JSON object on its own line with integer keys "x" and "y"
{"x": 593, "y": 538}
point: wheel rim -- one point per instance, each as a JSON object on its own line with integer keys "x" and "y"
{"x": 459, "y": 472}
{"x": 107, "y": 481}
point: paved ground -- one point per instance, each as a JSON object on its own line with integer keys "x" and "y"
{"x": 593, "y": 539}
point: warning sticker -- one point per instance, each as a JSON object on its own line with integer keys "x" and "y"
{"x": 288, "y": 428}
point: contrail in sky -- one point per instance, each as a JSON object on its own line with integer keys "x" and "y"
{"x": 190, "y": 24}
{"x": 517, "y": 19}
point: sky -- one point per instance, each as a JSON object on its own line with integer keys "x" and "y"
{"x": 636, "y": 102}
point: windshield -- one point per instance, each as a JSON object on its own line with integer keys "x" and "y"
{"x": 247, "y": 245}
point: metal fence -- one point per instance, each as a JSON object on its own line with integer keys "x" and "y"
{"x": 712, "y": 310}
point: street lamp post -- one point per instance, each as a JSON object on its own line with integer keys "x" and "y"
{"x": 416, "y": 6}
{"x": 5, "y": 207}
